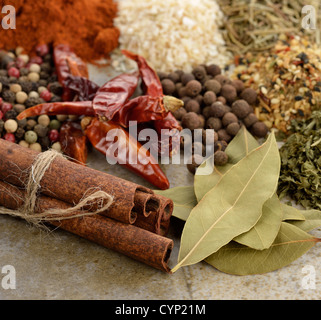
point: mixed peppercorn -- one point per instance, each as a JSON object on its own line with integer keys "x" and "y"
{"x": 214, "y": 103}
{"x": 25, "y": 82}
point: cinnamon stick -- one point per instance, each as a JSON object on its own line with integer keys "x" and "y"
{"x": 69, "y": 182}
{"x": 158, "y": 221}
{"x": 139, "y": 244}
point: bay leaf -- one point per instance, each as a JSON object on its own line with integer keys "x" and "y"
{"x": 264, "y": 232}
{"x": 183, "y": 198}
{"x": 237, "y": 149}
{"x": 290, "y": 244}
{"x": 291, "y": 213}
{"x": 312, "y": 220}
{"x": 233, "y": 206}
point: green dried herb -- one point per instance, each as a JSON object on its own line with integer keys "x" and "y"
{"x": 300, "y": 176}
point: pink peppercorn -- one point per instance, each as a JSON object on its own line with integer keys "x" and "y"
{"x": 35, "y": 59}
{"x": 1, "y": 115}
{"x": 42, "y": 50}
{"x": 20, "y": 63}
{"x": 54, "y": 135}
{"x": 6, "y": 107}
{"x": 10, "y": 137}
{"x": 14, "y": 72}
{"x": 46, "y": 95}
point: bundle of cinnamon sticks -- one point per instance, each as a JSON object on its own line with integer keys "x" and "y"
{"x": 135, "y": 224}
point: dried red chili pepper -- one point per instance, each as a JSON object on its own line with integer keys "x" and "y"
{"x": 153, "y": 87}
{"x": 133, "y": 155}
{"x": 150, "y": 80}
{"x": 55, "y": 108}
{"x": 82, "y": 88}
{"x": 64, "y": 58}
{"x": 110, "y": 98}
{"x": 73, "y": 141}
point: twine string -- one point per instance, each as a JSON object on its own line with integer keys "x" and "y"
{"x": 100, "y": 199}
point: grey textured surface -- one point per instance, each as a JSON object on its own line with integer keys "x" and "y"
{"x": 59, "y": 265}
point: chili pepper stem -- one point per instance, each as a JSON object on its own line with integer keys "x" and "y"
{"x": 172, "y": 104}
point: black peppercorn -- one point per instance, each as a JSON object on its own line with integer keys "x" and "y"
{"x": 9, "y": 96}
{"x": 1, "y": 125}
{"x": 11, "y": 114}
{"x": 55, "y": 88}
{"x": 19, "y": 134}
{"x": 26, "y": 86}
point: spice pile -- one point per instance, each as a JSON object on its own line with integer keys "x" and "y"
{"x": 301, "y": 163}
{"x": 287, "y": 81}
{"x": 26, "y": 81}
{"x": 172, "y": 34}
{"x": 255, "y": 26}
{"x": 215, "y": 103}
{"x": 85, "y": 25}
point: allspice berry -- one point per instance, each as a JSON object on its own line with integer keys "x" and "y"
{"x": 228, "y": 118}
{"x": 214, "y": 123}
{"x": 222, "y": 79}
{"x": 191, "y": 121}
{"x": 218, "y": 109}
{"x": 213, "y": 70}
{"x": 233, "y": 128}
{"x": 168, "y": 86}
{"x": 241, "y": 108}
{"x": 209, "y": 97}
{"x": 187, "y": 77}
{"x": 199, "y": 73}
{"x": 193, "y": 106}
{"x": 259, "y": 129}
{"x": 198, "y": 148}
{"x": 238, "y": 85}
{"x": 223, "y": 135}
{"x": 249, "y": 95}
{"x": 194, "y": 162}
{"x": 220, "y": 158}
{"x": 209, "y": 137}
{"x": 229, "y": 93}
{"x": 193, "y": 88}
{"x": 207, "y": 112}
{"x": 178, "y": 114}
{"x": 202, "y": 121}
{"x": 213, "y": 85}
{"x": 250, "y": 119}
{"x": 174, "y": 76}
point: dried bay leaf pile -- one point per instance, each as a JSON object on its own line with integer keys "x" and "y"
{"x": 233, "y": 217}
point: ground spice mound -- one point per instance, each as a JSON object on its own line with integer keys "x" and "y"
{"x": 86, "y": 25}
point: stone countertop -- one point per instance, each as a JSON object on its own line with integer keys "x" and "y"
{"x": 60, "y": 265}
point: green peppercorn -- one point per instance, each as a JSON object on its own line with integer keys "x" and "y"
{"x": 54, "y": 124}
{"x": 31, "y": 137}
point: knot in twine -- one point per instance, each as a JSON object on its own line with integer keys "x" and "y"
{"x": 41, "y": 164}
